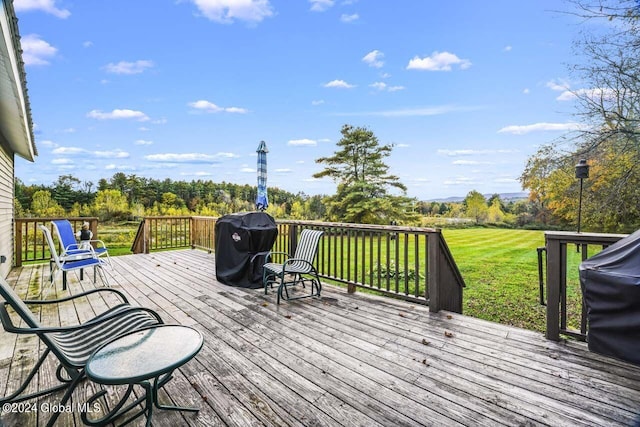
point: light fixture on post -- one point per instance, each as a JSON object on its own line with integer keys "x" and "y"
{"x": 582, "y": 172}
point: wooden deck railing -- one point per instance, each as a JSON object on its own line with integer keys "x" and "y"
{"x": 163, "y": 232}
{"x": 29, "y": 242}
{"x": 562, "y": 269}
{"x": 404, "y": 262}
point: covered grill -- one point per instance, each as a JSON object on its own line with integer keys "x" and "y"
{"x": 610, "y": 282}
{"x": 242, "y": 242}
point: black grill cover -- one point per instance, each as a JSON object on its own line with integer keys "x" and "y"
{"x": 610, "y": 282}
{"x": 242, "y": 243}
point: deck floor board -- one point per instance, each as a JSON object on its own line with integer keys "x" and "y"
{"x": 342, "y": 360}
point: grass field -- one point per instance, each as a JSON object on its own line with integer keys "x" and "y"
{"x": 499, "y": 266}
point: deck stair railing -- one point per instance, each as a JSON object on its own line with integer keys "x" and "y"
{"x": 410, "y": 263}
{"x": 564, "y": 252}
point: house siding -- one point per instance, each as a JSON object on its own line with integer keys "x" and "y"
{"x": 6, "y": 208}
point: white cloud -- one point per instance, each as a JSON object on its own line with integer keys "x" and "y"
{"x": 467, "y": 152}
{"x": 36, "y": 51}
{"x": 412, "y": 112}
{"x": 506, "y": 180}
{"x": 113, "y": 166}
{"x": 227, "y": 11}
{"x": 88, "y": 43}
{"x": 62, "y": 161}
{"x": 283, "y": 171}
{"x": 303, "y": 142}
{"x": 115, "y": 154}
{"x": 143, "y": 142}
{"x": 526, "y": 91}
{"x": 47, "y": 6}
{"x": 402, "y": 145}
{"x": 321, "y": 5}
{"x": 247, "y": 169}
{"x": 118, "y": 114}
{"x": 349, "y": 18}
{"x": 538, "y": 127}
{"x": 47, "y": 143}
{"x": 438, "y": 61}
{"x": 460, "y": 180}
{"x": 594, "y": 94}
{"x": 374, "y": 59}
{"x": 124, "y": 67}
{"x": 187, "y": 157}
{"x": 210, "y": 107}
{"x": 199, "y": 173}
{"x": 339, "y": 84}
{"x": 76, "y": 151}
{"x": 468, "y": 162}
{"x": 317, "y": 102}
{"x": 558, "y": 85}
{"x": 508, "y": 48}
{"x": 384, "y": 87}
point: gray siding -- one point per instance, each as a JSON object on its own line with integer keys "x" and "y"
{"x": 6, "y": 208}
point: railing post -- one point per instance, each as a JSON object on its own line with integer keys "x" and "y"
{"x": 191, "y": 233}
{"x": 555, "y": 266}
{"x": 293, "y": 238}
{"x": 146, "y": 236}
{"x": 18, "y": 243}
{"x": 93, "y": 226}
{"x": 433, "y": 277}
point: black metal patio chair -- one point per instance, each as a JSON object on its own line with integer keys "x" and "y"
{"x": 297, "y": 269}
{"x": 70, "y": 345}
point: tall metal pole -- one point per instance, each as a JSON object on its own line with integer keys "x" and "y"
{"x": 580, "y": 206}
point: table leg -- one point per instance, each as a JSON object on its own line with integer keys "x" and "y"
{"x": 157, "y": 384}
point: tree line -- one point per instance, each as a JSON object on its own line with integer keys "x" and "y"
{"x": 130, "y": 197}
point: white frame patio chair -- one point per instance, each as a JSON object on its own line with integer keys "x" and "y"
{"x": 71, "y": 248}
{"x": 77, "y": 261}
{"x": 70, "y": 345}
{"x": 296, "y": 269}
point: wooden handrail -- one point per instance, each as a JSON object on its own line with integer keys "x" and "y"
{"x": 556, "y": 243}
{"x": 29, "y": 243}
{"x": 412, "y": 263}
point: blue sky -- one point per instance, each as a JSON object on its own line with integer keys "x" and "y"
{"x": 466, "y": 90}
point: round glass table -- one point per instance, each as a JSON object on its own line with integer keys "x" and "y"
{"x": 146, "y": 357}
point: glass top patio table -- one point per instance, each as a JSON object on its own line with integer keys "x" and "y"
{"x": 144, "y": 354}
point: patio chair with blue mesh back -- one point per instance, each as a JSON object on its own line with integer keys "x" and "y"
{"x": 296, "y": 269}
{"x": 77, "y": 261}
{"x": 71, "y": 248}
{"x": 70, "y": 345}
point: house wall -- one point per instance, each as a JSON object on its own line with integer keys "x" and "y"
{"x": 6, "y": 208}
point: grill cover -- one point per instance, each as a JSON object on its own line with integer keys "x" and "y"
{"x": 242, "y": 242}
{"x": 610, "y": 282}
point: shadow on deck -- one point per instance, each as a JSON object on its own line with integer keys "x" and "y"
{"x": 345, "y": 359}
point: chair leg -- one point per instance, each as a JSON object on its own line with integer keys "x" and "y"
{"x": 67, "y": 395}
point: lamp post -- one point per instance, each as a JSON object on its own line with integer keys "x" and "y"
{"x": 582, "y": 172}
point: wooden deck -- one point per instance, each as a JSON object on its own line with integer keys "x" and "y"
{"x": 341, "y": 360}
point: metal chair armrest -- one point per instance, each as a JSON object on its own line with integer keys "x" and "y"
{"x": 292, "y": 260}
{"x": 8, "y": 325}
{"x": 268, "y": 257}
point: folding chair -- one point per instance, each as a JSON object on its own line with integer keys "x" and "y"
{"x": 298, "y": 269}
{"x": 73, "y": 261}
{"x": 70, "y": 345}
{"x": 71, "y": 248}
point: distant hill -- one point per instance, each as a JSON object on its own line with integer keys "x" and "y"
{"x": 506, "y": 197}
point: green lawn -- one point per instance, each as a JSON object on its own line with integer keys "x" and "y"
{"x": 500, "y": 268}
